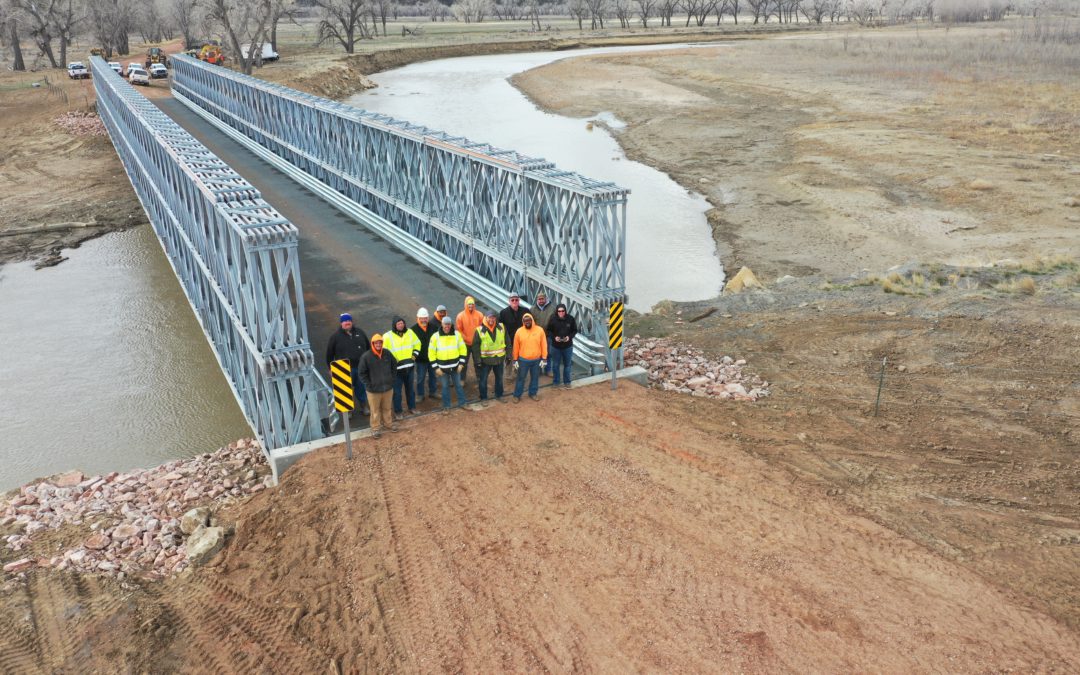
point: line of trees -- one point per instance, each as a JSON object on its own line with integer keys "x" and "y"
{"x": 52, "y": 26}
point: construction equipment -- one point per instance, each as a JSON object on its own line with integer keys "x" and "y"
{"x": 156, "y": 55}
{"x": 212, "y": 54}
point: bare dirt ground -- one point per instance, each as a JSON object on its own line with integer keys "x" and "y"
{"x": 837, "y": 152}
{"x": 669, "y": 534}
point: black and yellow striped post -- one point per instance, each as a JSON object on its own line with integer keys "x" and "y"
{"x": 342, "y": 384}
{"x": 615, "y": 330}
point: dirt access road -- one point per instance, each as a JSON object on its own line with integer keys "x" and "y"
{"x": 531, "y": 545}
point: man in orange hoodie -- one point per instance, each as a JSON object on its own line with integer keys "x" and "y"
{"x": 530, "y": 355}
{"x": 468, "y": 320}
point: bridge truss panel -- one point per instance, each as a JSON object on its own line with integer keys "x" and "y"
{"x": 235, "y": 256}
{"x": 517, "y": 222}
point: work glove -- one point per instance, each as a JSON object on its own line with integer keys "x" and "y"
{"x": 516, "y": 366}
{"x": 461, "y": 368}
{"x": 543, "y": 363}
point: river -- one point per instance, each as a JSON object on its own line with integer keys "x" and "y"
{"x": 670, "y": 252}
{"x": 104, "y": 366}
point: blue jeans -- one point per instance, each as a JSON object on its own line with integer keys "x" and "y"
{"x": 424, "y": 371}
{"x": 564, "y": 358}
{"x": 359, "y": 393}
{"x": 447, "y": 377}
{"x": 404, "y": 378}
{"x": 532, "y": 367}
{"x": 550, "y": 365}
{"x": 484, "y": 371}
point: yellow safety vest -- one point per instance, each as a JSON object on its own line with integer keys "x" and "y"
{"x": 403, "y": 346}
{"x": 445, "y": 350}
{"x": 492, "y": 345}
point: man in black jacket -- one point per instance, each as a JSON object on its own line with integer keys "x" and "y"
{"x": 424, "y": 328}
{"x": 350, "y": 342}
{"x": 510, "y": 317}
{"x": 378, "y": 369}
{"x": 561, "y": 330}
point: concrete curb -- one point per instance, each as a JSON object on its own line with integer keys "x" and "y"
{"x": 282, "y": 458}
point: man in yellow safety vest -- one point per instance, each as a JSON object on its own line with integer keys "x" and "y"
{"x": 404, "y": 345}
{"x": 447, "y": 352}
{"x": 489, "y": 353}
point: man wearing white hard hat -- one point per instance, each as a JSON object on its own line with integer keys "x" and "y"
{"x": 424, "y": 328}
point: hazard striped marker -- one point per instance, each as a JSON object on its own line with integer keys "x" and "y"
{"x": 344, "y": 401}
{"x": 615, "y": 328}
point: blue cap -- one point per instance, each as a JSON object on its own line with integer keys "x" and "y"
{"x": 345, "y": 317}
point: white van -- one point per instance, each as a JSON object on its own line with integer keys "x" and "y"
{"x": 268, "y": 53}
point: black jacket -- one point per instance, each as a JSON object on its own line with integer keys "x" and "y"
{"x": 512, "y": 320}
{"x": 562, "y": 328}
{"x": 425, "y": 339}
{"x": 351, "y": 345}
{"x": 376, "y": 373}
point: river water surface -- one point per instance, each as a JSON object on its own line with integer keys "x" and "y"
{"x": 670, "y": 252}
{"x": 104, "y": 367}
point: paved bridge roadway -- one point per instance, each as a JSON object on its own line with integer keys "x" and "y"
{"x": 345, "y": 267}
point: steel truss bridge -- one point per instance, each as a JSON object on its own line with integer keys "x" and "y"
{"x": 490, "y": 220}
{"x": 235, "y": 256}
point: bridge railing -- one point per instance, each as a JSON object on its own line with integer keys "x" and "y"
{"x": 492, "y": 220}
{"x": 235, "y": 256}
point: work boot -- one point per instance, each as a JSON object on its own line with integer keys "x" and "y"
{"x": 412, "y": 412}
{"x": 517, "y": 399}
{"x": 533, "y": 397}
{"x": 377, "y": 433}
{"x": 394, "y": 428}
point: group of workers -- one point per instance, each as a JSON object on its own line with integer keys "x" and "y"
{"x": 391, "y": 370}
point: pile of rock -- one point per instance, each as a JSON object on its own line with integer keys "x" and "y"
{"x": 674, "y": 367}
{"x": 135, "y": 518}
{"x": 81, "y": 123}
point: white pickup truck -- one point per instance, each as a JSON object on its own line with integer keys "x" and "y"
{"x": 266, "y": 52}
{"x": 78, "y": 71}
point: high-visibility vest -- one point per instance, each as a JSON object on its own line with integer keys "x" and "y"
{"x": 492, "y": 345}
{"x": 404, "y": 347}
{"x": 447, "y": 351}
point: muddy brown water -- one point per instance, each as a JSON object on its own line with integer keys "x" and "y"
{"x": 104, "y": 366}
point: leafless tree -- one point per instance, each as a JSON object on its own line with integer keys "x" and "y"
{"x": 39, "y": 26}
{"x": 345, "y": 21}
{"x": 623, "y": 11}
{"x": 645, "y": 11}
{"x": 815, "y": 10}
{"x": 471, "y": 11}
{"x": 667, "y": 9}
{"x": 188, "y": 19}
{"x": 110, "y": 23}
{"x": 760, "y": 8}
{"x": 698, "y": 10}
{"x": 381, "y": 10}
{"x": 9, "y": 35}
{"x": 597, "y": 11}
{"x": 66, "y": 19}
{"x": 579, "y": 9}
{"x": 732, "y": 7}
{"x": 532, "y": 11}
{"x": 242, "y": 22}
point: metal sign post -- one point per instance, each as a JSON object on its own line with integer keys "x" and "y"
{"x": 615, "y": 317}
{"x": 341, "y": 381}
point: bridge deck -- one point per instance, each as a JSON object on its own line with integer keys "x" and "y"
{"x": 344, "y": 266}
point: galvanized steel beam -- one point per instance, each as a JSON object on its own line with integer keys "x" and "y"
{"x": 236, "y": 259}
{"x": 513, "y": 222}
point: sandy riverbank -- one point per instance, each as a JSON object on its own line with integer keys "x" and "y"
{"x": 836, "y": 152}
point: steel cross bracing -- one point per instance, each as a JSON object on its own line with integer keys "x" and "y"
{"x": 515, "y": 221}
{"x": 235, "y": 256}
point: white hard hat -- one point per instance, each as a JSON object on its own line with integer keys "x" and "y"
{"x": 422, "y": 313}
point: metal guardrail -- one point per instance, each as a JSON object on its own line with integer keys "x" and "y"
{"x": 235, "y": 256}
{"x": 491, "y": 220}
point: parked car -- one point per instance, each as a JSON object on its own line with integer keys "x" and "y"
{"x": 130, "y": 65}
{"x": 268, "y": 53}
{"x": 158, "y": 71}
{"x": 137, "y": 75}
{"x": 115, "y": 65}
{"x": 77, "y": 71}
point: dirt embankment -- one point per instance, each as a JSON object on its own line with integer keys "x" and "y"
{"x": 845, "y": 151}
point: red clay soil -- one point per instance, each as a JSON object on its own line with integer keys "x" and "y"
{"x": 519, "y": 538}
